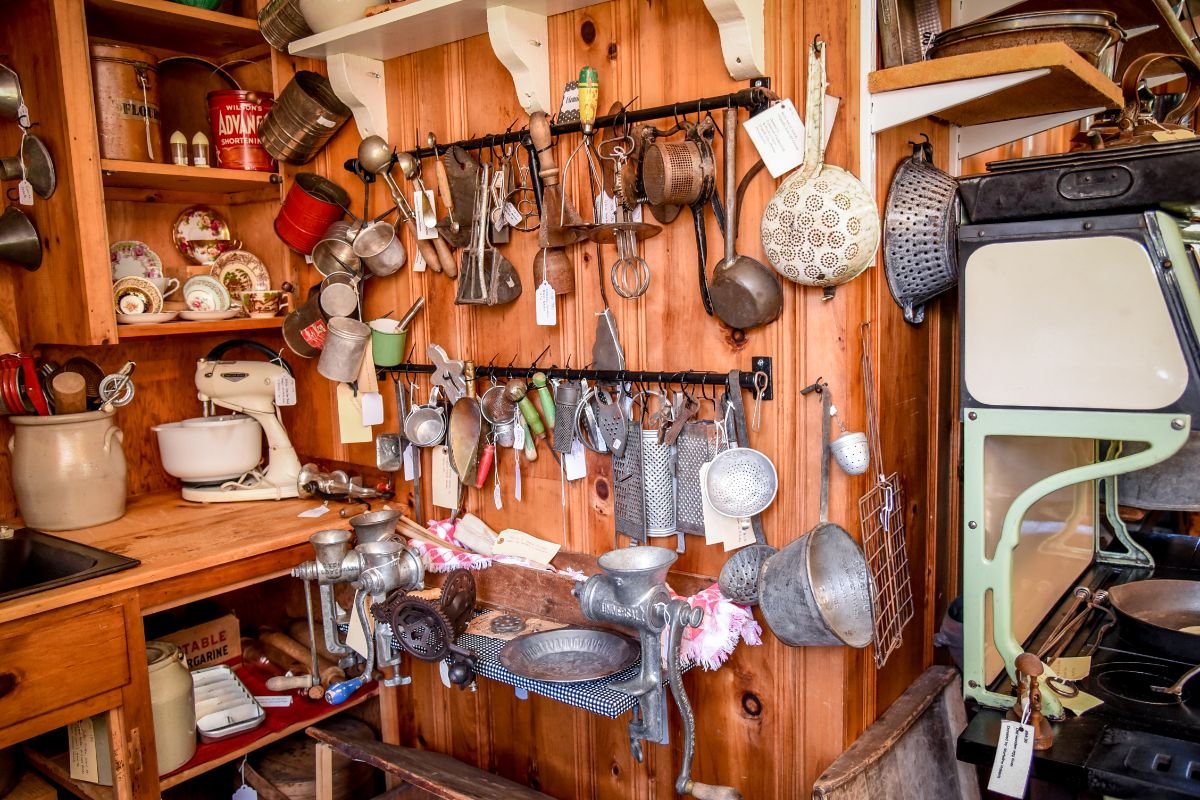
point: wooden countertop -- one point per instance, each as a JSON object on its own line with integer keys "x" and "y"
{"x": 174, "y": 538}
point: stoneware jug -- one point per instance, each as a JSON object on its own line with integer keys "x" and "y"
{"x": 68, "y": 471}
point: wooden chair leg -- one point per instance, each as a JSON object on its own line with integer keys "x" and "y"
{"x": 324, "y": 776}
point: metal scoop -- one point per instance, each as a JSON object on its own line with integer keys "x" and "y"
{"x": 741, "y": 482}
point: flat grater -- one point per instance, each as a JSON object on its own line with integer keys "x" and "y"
{"x": 628, "y": 502}
{"x": 696, "y": 445}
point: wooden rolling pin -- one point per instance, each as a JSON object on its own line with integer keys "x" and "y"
{"x": 298, "y": 630}
{"x": 286, "y": 673}
{"x": 70, "y": 393}
{"x": 330, "y": 673}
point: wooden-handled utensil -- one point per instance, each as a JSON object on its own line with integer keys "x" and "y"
{"x": 558, "y": 215}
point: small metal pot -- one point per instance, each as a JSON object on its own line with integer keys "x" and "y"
{"x": 304, "y": 329}
{"x": 425, "y": 425}
{"x": 380, "y": 248}
{"x": 339, "y": 294}
{"x": 345, "y": 346}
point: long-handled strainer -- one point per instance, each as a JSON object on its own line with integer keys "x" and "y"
{"x": 740, "y": 483}
{"x": 881, "y": 513}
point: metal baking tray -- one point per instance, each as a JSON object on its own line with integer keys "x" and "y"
{"x": 569, "y": 655}
{"x": 1114, "y": 179}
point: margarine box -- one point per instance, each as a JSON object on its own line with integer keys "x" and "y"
{"x": 214, "y": 639}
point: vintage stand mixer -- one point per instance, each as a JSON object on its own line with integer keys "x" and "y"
{"x": 248, "y": 387}
{"x": 632, "y": 592}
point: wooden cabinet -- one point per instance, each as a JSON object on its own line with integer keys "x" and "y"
{"x": 98, "y": 201}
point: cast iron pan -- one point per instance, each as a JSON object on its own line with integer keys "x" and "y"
{"x": 1151, "y": 613}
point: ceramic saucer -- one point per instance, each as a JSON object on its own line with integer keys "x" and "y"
{"x": 134, "y": 258}
{"x": 137, "y": 295}
{"x": 205, "y": 293}
{"x": 147, "y": 319}
{"x": 208, "y": 316}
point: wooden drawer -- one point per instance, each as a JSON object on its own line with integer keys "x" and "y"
{"x": 54, "y": 660}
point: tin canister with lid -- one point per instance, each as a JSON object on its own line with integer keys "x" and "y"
{"x": 125, "y": 81}
{"x": 307, "y": 115}
{"x": 235, "y": 115}
{"x": 172, "y": 701}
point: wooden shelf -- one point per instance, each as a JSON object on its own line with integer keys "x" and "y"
{"x": 417, "y": 25}
{"x": 170, "y": 177}
{"x": 174, "y": 26}
{"x": 999, "y": 85}
{"x": 57, "y": 769}
{"x": 182, "y": 328}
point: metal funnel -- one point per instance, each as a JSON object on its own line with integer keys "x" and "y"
{"x": 374, "y": 526}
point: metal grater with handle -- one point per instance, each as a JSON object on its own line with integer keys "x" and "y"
{"x": 628, "y": 502}
{"x": 658, "y": 484}
{"x": 696, "y": 445}
{"x": 566, "y": 401}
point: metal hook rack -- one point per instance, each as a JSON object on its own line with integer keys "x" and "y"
{"x": 756, "y": 99}
{"x": 761, "y": 367}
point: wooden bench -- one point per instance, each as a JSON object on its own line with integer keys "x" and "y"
{"x": 423, "y": 774}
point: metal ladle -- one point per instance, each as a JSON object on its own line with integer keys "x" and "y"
{"x": 376, "y": 156}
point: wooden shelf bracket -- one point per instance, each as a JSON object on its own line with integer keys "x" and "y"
{"x": 740, "y": 24}
{"x": 895, "y": 107}
{"x": 358, "y": 82}
{"x": 520, "y": 40}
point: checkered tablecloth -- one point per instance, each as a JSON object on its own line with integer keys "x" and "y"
{"x": 595, "y": 696}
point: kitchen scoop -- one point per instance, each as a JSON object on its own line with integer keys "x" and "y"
{"x": 740, "y": 483}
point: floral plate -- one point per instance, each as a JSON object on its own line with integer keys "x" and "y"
{"x": 241, "y": 271}
{"x": 198, "y": 222}
{"x": 134, "y": 258}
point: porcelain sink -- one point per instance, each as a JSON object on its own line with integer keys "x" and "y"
{"x": 32, "y": 561}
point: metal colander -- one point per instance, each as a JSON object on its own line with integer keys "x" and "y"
{"x": 920, "y": 252}
{"x": 673, "y": 173}
{"x": 658, "y": 484}
{"x": 628, "y": 502}
{"x": 695, "y": 447}
{"x": 566, "y": 404}
{"x": 739, "y": 577}
{"x": 741, "y": 482}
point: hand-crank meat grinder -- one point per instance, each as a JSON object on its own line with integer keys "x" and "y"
{"x": 632, "y": 592}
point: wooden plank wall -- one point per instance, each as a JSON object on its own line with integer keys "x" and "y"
{"x": 773, "y": 717}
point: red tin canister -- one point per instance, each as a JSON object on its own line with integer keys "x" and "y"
{"x": 310, "y": 207}
{"x": 235, "y": 115}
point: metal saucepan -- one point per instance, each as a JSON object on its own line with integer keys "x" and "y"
{"x": 1161, "y": 615}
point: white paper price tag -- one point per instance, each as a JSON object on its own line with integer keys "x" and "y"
{"x": 511, "y": 215}
{"x": 355, "y": 638}
{"x": 318, "y": 511}
{"x": 424, "y": 232}
{"x": 607, "y": 208}
{"x": 445, "y": 482}
{"x": 308, "y": 259}
{"x": 546, "y": 304}
{"x": 419, "y": 261}
{"x": 409, "y": 467}
{"x": 512, "y": 542}
{"x": 285, "y": 390}
{"x": 25, "y": 193}
{"x": 1014, "y": 757}
{"x": 372, "y": 408}
{"x": 245, "y": 792}
{"x": 778, "y": 135}
{"x": 575, "y": 462}
{"x": 517, "y": 475}
{"x": 519, "y": 435}
{"x": 23, "y": 115}
{"x": 81, "y": 738}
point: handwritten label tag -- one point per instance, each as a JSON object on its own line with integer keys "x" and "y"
{"x": 575, "y": 462}
{"x": 274, "y": 700}
{"x": 419, "y": 261}
{"x": 607, "y": 207}
{"x": 372, "y": 408}
{"x": 511, "y": 215}
{"x": 512, "y": 542}
{"x": 738, "y": 537}
{"x": 445, "y": 482}
{"x": 717, "y": 526}
{"x": 424, "y": 232}
{"x": 778, "y": 135}
{"x": 519, "y": 434}
{"x": 1014, "y": 757}
{"x": 517, "y": 475}
{"x": 409, "y": 467}
{"x": 355, "y": 639}
{"x": 546, "y": 304}
{"x": 1072, "y": 669}
{"x": 81, "y": 738}
{"x": 349, "y": 408}
{"x": 25, "y": 193}
{"x": 285, "y": 390}
{"x": 318, "y": 511}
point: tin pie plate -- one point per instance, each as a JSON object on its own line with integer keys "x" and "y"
{"x": 569, "y": 655}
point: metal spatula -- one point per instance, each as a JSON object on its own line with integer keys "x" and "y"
{"x": 389, "y": 447}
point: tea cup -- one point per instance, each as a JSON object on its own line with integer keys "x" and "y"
{"x": 166, "y": 286}
{"x": 206, "y": 251}
{"x": 264, "y": 302}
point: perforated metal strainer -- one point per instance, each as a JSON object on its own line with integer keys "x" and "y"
{"x": 741, "y": 482}
{"x": 920, "y": 247}
{"x": 739, "y": 576}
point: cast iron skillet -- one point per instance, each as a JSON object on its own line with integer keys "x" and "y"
{"x": 1151, "y": 613}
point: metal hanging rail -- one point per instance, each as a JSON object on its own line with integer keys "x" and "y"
{"x": 756, "y": 99}
{"x": 758, "y": 379}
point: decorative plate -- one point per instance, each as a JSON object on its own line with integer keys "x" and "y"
{"x": 137, "y": 295}
{"x": 198, "y": 222}
{"x": 205, "y": 293}
{"x": 208, "y": 316}
{"x": 241, "y": 271}
{"x": 146, "y": 318}
{"x": 134, "y": 258}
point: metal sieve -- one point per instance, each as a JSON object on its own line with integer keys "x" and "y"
{"x": 740, "y": 483}
{"x": 739, "y": 577}
{"x": 920, "y": 232}
{"x": 673, "y": 173}
{"x": 501, "y": 413}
